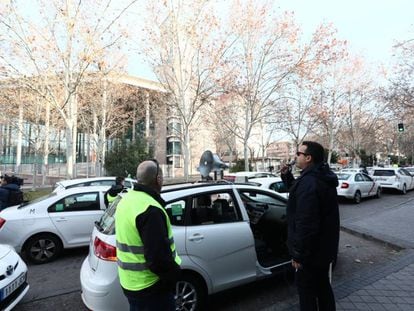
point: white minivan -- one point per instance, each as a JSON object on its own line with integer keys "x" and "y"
{"x": 393, "y": 178}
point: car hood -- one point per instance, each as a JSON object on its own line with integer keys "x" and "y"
{"x": 5, "y": 250}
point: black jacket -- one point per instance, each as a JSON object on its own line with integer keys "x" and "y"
{"x": 113, "y": 192}
{"x": 313, "y": 215}
{"x": 5, "y": 194}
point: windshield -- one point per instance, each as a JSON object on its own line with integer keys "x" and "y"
{"x": 384, "y": 173}
{"x": 343, "y": 176}
{"x": 52, "y": 194}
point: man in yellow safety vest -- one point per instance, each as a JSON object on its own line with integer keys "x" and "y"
{"x": 148, "y": 265}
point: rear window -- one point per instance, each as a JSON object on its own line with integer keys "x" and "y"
{"x": 107, "y": 223}
{"x": 384, "y": 173}
{"x": 343, "y": 176}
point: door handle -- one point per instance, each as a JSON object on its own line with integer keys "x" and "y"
{"x": 196, "y": 237}
{"x": 61, "y": 219}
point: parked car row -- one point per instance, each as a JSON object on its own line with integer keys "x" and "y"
{"x": 215, "y": 226}
{"x": 226, "y": 234}
{"x": 355, "y": 184}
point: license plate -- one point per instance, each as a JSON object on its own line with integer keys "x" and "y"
{"x": 9, "y": 289}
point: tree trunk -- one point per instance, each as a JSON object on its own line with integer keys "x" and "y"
{"x": 186, "y": 149}
{"x": 46, "y": 143}
{"x": 19, "y": 139}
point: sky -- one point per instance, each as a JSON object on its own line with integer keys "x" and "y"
{"x": 371, "y": 27}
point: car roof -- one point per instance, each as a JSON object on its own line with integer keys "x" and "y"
{"x": 170, "y": 192}
{"x": 266, "y": 180}
{"x": 69, "y": 182}
{"x": 245, "y": 173}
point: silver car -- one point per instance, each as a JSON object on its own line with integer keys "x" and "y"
{"x": 226, "y": 235}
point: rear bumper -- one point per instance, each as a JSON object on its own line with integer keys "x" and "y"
{"x": 101, "y": 291}
{"x": 396, "y": 185}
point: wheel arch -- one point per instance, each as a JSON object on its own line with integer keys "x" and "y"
{"x": 200, "y": 277}
{"x": 41, "y": 233}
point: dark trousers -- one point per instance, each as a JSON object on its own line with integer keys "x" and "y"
{"x": 315, "y": 291}
{"x": 152, "y": 302}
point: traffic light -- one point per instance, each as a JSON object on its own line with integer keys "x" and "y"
{"x": 400, "y": 127}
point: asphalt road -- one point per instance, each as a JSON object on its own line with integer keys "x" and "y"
{"x": 55, "y": 286}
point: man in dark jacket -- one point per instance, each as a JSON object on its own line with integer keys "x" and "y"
{"x": 313, "y": 226}
{"x": 112, "y": 193}
{"x": 8, "y": 185}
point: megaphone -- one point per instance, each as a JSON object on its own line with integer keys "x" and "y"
{"x": 210, "y": 162}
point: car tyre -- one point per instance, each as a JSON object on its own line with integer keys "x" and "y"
{"x": 404, "y": 189}
{"x": 378, "y": 194}
{"x": 190, "y": 293}
{"x": 42, "y": 248}
{"x": 357, "y": 197}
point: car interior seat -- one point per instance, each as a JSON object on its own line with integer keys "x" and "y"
{"x": 222, "y": 211}
{"x": 200, "y": 212}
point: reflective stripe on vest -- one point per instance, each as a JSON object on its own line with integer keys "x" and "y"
{"x": 133, "y": 272}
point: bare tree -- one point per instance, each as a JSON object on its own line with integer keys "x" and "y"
{"x": 58, "y": 48}
{"x": 185, "y": 50}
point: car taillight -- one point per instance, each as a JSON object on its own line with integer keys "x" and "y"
{"x": 104, "y": 250}
{"x": 345, "y": 185}
{"x": 2, "y": 222}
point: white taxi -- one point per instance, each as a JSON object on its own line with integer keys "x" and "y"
{"x": 13, "y": 276}
{"x": 42, "y": 228}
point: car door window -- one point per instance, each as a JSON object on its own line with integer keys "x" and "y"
{"x": 279, "y": 187}
{"x": 102, "y": 183}
{"x": 358, "y": 177}
{"x": 259, "y": 204}
{"x": 213, "y": 208}
{"x": 76, "y": 203}
{"x": 367, "y": 178}
{"x": 176, "y": 212}
{"x": 127, "y": 184}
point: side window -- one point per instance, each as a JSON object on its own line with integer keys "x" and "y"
{"x": 405, "y": 172}
{"x": 358, "y": 177}
{"x": 213, "y": 208}
{"x": 127, "y": 184}
{"x": 259, "y": 204}
{"x": 279, "y": 187}
{"x": 175, "y": 211}
{"x": 102, "y": 183}
{"x": 76, "y": 203}
{"x": 366, "y": 177}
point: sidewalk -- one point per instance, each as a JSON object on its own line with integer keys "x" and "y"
{"x": 387, "y": 286}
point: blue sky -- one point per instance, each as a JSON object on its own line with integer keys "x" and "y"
{"x": 371, "y": 26}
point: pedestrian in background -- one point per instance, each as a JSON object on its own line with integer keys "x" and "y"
{"x": 148, "y": 265}
{"x": 10, "y": 192}
{"x": 313, "y": 226}
{"x": 112, "y": 193}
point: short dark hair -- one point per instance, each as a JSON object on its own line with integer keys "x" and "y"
{"x": 119, "y": 180}
{"x": 315, "y": 150}
{"x": 12, "y": 179}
